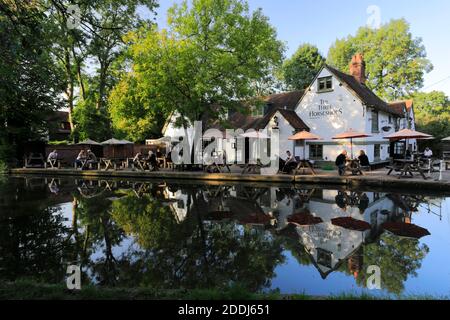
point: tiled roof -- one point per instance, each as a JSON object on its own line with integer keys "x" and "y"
{"x": 366, "y": 95}
{"x": 402, "y": 106}
{"x": 290, "y": 115}
{"x": 284, "y": 102}
{"x": 398, "y": 106}
{"x": 288, "y": 100}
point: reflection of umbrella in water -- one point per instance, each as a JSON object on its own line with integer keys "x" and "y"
{"x": 219, "y": 215}
{"x": 304, "y": 219}
{"x": 405, "y": 229}
{"x": 351, "y": 223}
{"x": 256, "y": 218}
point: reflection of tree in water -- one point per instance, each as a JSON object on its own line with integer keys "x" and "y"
{"x": 34, "y": 245}
{"x": 192, "y": 254}
{"x": 100, "y": 234}
{"x": 397, "y": 257}
{"x": 290, "y": 240}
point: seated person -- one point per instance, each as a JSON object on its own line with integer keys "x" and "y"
{"x": 363, "y": 159}
{"x": 341, "y": 162}
{"x": 152, "y": 162}
{"x": 91, "y": 157}
{"x": 290, "y": 162}
{"x": 159, "y": 153}
{"x": 80, "y": 158}
{"x": 427, "y": 154}
{"x": 53, "y": 156}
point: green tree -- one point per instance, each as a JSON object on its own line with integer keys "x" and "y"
{"x": 212, "y": 54}
{"x": 97, "y": 42}
{"x": 432, "y": 114}
{"x": 395, "y": 60}
{"x": 90, "y": 122}
{"x": 432, "y": 103}
{"x": 30, "y": 83}
{"x": 299, "y": 71}
{"x": 132, "y": 113}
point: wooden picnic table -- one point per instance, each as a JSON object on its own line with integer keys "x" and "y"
{"x": 38, "y": 159}
{"x": 252, "y": 167}
{"x": 407, "y": 168}
{"x": 108, "y": 163}
{"x": 354, "y": 166}
{"x": 303, "y": 165}
{"x": 217, "y": 166}
{"x": 162, "y": 161}
{"x": 54, "y": 163}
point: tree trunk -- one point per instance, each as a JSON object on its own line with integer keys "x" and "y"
{"x": 79, "y": 75}
{"x": 70, "y": 87}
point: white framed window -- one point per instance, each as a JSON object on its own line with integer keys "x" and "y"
{"x": 316, "y": 151}
{"x": 325, "y": 84}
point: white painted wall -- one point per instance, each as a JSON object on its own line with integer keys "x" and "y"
{"x": 348, "y": 113}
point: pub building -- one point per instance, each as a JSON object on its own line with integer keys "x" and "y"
{"x": 333, "y": 103}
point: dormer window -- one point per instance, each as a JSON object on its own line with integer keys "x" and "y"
{"x": 325, "y": 84}
{"x": 258, "y": 111}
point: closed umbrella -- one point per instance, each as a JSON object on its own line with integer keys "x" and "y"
{"x": 351, "y": 134}
{"x": 116, "y": 142}
{"x": 303, "y": 136}
{"x": 113, "y": 141}
{"x": 89, "y": 142}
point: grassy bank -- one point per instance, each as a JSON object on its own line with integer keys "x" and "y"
{"x": 29, "y": 290}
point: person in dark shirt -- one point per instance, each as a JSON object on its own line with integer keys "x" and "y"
{"x": 153, "y": 163}
{"x": 363, "y": 159}
{"x": 341, "y": 162}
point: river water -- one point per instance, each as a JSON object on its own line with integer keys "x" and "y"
{"x": 316, "y": 240}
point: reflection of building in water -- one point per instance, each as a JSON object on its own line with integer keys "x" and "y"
{"x": 179, "y": 202}
{"x": 329, "y": 245}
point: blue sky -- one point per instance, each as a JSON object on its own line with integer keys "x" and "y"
{"x": 322, "y": 22}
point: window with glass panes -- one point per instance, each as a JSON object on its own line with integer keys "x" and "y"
{"x": 316, "y": 151}
{"x": 325, "y": 84}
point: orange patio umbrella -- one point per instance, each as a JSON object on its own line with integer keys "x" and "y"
{"x": 351, "y": 134}
{"x": 303, "y": 136}
{"x": 407, "y": 134}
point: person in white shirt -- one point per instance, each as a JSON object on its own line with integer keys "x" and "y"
{"x": 52, "y": 156}
{"x": 428, "y": 153}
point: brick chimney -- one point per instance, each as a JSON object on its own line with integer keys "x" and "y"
{"x": 358, "y": 68}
